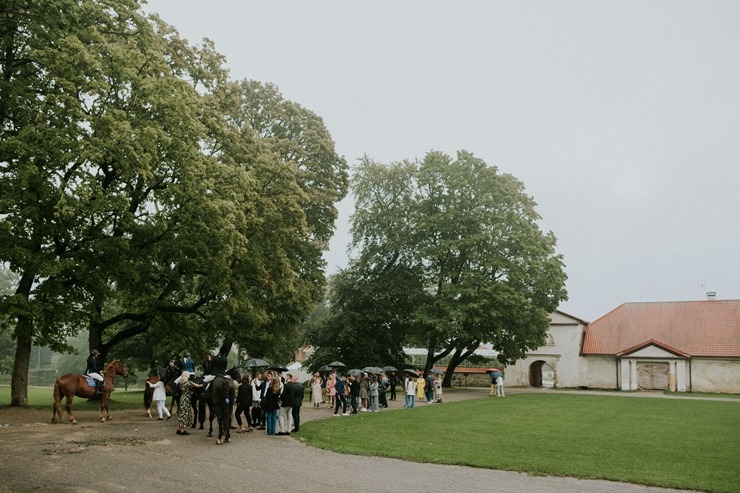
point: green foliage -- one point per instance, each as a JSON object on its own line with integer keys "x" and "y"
{"x": 449, "y": 255}
{"x": 146, "y": 197}
{"x": 678, "y": 443}
{"x": 366, "y": 325}
{"x": 7, "y": 282}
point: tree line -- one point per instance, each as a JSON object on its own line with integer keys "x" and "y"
{"x": 148, "y": 198}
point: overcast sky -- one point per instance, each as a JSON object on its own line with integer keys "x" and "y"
{"x": 622, "y": 119}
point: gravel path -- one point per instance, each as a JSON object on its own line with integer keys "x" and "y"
{"x": 132, "y": 453}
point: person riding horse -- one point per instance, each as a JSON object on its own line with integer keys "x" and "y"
{"x": 218, "y": 367}
{"x": 93, "y": 370}
{"x": 170, "y": 377}
{"x": 188, "y": 365}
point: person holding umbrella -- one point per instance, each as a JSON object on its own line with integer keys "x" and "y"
{"x": 500, "y": 385}
{"x": 494, "y": 373}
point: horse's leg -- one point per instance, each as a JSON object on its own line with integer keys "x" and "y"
{"x": 220, "y": 418}
{"x": 228, "y": 411}
{"x": 148, "y": 392}
{"x": 194, "y": 405}
{"x": 68, "y": 406}
{"x": 211, "y": 415}
{"x": 103, "y": 407}
{"x": 229, "y": 414}
{"x": 201, "y": 412}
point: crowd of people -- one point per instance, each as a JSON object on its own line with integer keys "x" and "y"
{"x": 368, "y": 392}
{"x": 272, "y": 402}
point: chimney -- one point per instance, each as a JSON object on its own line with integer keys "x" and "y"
{"x": 711, "y": 295}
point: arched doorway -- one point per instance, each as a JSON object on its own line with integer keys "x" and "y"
{"x": 541, "y": 374}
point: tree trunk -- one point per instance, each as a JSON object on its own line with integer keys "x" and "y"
{"x": 458, "y": 357}
{"x": 19, "y": 380}
{"x": 95, "y": 339}
{"x": 23, "y": 340}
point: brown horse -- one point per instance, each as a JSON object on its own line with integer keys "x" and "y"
{"x": 149, "y": 394}
{"x": 71, "y": 385}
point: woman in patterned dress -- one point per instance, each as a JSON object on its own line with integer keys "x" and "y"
{"x": 185, "y": 409}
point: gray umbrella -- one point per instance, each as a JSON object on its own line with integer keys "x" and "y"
{"x": 324, "y": 369}
{"x": 354, "y": 372}
{"x": 437, "y": 371}
{"x": 336, "y": 364}
{"x": 390, "y": 368}
{"x": 375, "y": 370}
{"x": 254, "y": 363}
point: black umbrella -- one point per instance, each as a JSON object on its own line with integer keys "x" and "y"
{"x": 324, "y": 369}
{"x": 336, "y": 364}
{"x": 409, "y": 370}
{"x": 390, "y": 368}
{"x": 354, "y": 372}
{"x": 277, "y": 367}
{"x": 254, "y": 363}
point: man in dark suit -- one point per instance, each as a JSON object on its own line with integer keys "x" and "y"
{"x": 287, "y": 396}
{"x": 298, "y": 394}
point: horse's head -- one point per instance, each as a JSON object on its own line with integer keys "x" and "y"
{"x": 234, "y": 374}
{"x": 118, "y": 368}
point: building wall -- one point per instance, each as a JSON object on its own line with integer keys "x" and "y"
{"x": 715, "y": 375}
{"x": 561, "y": 352}
{"x": 598, "y": 372}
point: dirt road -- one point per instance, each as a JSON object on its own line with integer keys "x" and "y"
{"x": 133, "y": 453}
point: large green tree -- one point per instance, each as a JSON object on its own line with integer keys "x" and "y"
{"x": 477, "y": 267}
{"x": 139, "y": 195}
{"x": 367, "y": 320}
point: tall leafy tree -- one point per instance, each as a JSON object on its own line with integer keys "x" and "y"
{"x": 138, "y": 193}
{"x": 365, "y": 325}
{"x": 467, "y": 235}
{"x": 87, "y": 101}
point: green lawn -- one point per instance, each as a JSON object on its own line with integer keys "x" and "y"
{"x": 42, "y": 398}
{"x": 686, "y": 444}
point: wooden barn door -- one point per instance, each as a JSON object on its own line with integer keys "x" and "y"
{"x": 652, "y": 376}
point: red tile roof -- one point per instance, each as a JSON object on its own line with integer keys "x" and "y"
{"x": 697, "y": 328}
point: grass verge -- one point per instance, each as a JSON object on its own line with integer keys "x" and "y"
{"x": 43, "y": 398}
{"x": 686, "y": 444}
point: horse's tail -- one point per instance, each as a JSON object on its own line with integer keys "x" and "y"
{"x": 148, "y": 394}
{"x": 57, "y": 406}
{"x": 227, "y": 401}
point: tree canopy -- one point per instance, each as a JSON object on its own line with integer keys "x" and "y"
{"x": 450, "y": 250}
{"x": 145, "y": 195}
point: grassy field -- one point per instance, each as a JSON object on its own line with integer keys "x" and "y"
{"x": 686, "y": 444}
{"x": 42, "y": 398}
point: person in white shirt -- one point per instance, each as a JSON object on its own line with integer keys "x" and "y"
{"x": 160, "y": 396}
{"x": 410, "y": 389}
